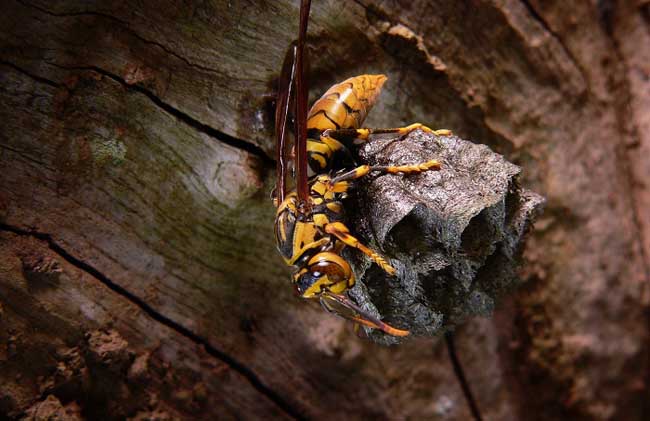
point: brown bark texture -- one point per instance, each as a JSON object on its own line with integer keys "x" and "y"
{"x": 138, "y": 272}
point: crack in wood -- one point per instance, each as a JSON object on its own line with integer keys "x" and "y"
{"x": 69, "y": 14}
{"x": 539, "y": 19}
{"x": 212, "y": 350}
{"x": 125, "y": 25}
{"x": 460, "y": 375}
{"x": 182, "y": 116}
{"x": 204, "y": 128}
{"x": 31, "y": 75}
{"x": 185, "y": 118}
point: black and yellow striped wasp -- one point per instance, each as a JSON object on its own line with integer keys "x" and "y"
{"x": 309, "y": 226}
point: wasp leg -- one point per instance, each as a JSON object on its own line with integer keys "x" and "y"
{"x": 408, "y": 169}
{"x": 339, "y": 183}
{"x": 340, "y": 231}
{"x": 345, "y": 135}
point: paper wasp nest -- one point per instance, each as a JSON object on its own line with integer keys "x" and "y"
{"x": 455, "y": 235}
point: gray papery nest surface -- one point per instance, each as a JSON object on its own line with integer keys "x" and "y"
{"x": 455, "y": 235}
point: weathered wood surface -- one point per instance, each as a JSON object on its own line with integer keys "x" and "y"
{"x": 137, "y": 226}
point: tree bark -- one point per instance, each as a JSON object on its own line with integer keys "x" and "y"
{"x": 138, "y": 271}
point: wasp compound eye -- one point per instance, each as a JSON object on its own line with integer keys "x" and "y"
{"x": 308, "y": 283}
{"x": 334, "y": 271}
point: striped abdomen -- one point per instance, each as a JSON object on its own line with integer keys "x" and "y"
{"x": 343, "y": 106}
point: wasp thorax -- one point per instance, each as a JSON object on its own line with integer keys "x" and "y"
{"x": 325, "y": 271}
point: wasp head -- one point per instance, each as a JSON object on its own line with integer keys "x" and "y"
{"x": 325, "y": 271}
{"x": 327, "y": 276}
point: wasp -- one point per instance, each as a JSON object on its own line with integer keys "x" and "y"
{"x": 309, "y": 227}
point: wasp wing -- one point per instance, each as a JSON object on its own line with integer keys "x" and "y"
{"x": 285, "y": 104}
{"x": 292, "y": 99}
{"x": 301, "y": 105}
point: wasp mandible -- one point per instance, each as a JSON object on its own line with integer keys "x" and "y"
{"x": 309, "y": 225}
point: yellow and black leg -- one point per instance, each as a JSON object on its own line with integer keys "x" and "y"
{"x": 340, "y": 231}
{"x": 345, "y": 135}
{"x": 431, "y": 165}
{"x": 339, "y": 183}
